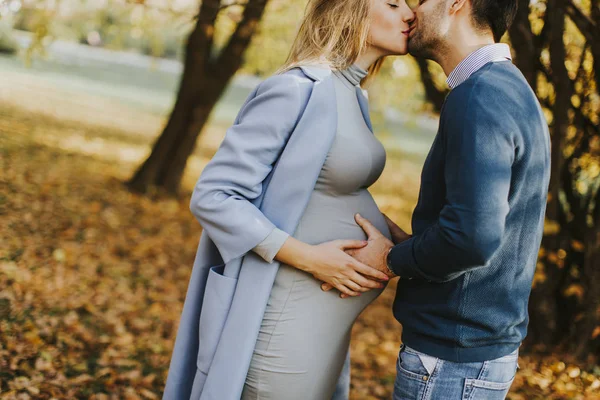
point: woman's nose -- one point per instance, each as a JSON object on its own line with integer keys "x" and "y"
{"x": 408, "y": 15}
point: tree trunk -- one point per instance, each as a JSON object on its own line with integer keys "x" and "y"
{"x": 203, "y": 81}
{"x": 433, "y": 95}
{"x": 562, "y": 102}
{"x": 523, "y": 43}
{"x": 547, "y": 304}
{"x": 596, "y": 41}
{"x": 589, "y": 328}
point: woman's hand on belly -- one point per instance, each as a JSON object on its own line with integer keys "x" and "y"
{"x": 328, "y": 262}
{"x": 375, "y": 253}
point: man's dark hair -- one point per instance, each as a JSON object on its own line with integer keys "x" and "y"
{"x": 496, "y": 15}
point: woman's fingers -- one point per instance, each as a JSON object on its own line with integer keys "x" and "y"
{"x": 326, "y": 287}
{"x": 350, "y": 284}
{"x": 350, "y": 271}
{"x": 347, "y": 291}
{"x": 351, "y": 244}
{"x": 369, "y": 271}
{"x": 365, "y": 283}
{"x": 361, "y": 283}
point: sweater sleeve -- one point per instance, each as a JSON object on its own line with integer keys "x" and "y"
{"x": 222, "y": 197}
{"x": 479, "y": 153}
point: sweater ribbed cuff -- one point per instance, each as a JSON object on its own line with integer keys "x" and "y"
{"x": 402, "y": 260}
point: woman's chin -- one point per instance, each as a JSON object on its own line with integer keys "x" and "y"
{"x": 399, "y": 52}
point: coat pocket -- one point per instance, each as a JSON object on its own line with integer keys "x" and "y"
{"x": 218, "y": 296}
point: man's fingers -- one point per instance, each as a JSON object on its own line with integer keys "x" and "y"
{"x": 389, "y": 221}
{"x": 367, "y": 226}
{"x": 395, "y": 230}
{"x": 352, "y": 244}
{"x": 370, "y": 271}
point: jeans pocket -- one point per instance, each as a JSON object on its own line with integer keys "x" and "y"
{"x": 494, "y": 381}
{"x": 218, "y": 297}
{"x": 410, "y": 363}
{"x": 477, "y": 389}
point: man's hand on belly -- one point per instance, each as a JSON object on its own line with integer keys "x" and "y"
{"x": 398, "y": 234}
{"x": 374, "y": 254}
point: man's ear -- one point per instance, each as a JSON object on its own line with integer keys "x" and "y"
{"x": 458, "y": 5}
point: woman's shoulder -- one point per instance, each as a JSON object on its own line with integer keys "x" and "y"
{"x": 296, "y": 83}
{"x": 302, "y": 74}
{"x": 291, "y": 79}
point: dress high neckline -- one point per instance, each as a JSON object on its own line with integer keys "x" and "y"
{"x": 353, "y": 74}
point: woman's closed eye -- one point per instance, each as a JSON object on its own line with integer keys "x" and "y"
{"x": 392, "y": 5}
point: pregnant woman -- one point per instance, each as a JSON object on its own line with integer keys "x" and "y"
{"x": 277, "y": 204}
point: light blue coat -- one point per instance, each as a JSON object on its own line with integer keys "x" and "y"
{"x": 262, "y": 176}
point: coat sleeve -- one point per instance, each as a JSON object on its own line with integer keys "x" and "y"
{"x": 222, "y": 197}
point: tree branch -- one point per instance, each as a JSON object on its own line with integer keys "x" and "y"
{"x": 235, "y": 3}
{"x": 578, "y": 113}
{"x": 595, "y": 46}
{"x": 526, "y": 46}
{"x": 231, "y": 56}
{"x": 586, "y": 26}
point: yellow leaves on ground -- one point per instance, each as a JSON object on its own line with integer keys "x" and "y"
{"x": 93, "y": 278}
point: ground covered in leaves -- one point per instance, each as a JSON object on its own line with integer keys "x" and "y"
{"x": 93, "y": 277}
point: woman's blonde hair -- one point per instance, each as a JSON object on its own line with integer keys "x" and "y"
{"x": 335, "y": 32}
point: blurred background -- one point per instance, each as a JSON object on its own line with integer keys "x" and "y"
{"x": 109, "y": 109}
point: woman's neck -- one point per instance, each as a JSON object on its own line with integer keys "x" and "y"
{"x": 368, "y": 58}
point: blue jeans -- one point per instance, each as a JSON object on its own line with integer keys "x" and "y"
{"x": 423, "y": 377}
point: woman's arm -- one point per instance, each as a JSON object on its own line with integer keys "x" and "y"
{"x": 327, "y": 262}
{"x": 221, "y": 200}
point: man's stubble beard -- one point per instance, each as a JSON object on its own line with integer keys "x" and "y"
{"x": 427, "y": 41}
{"x": 421, "y": 47}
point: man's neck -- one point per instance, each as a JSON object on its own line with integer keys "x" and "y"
{"x": 459, "y": 49}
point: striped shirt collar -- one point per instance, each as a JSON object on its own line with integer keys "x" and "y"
{"x": 476, "y": 60}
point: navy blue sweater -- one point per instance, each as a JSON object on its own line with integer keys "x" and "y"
{"x": 466, "y": 273}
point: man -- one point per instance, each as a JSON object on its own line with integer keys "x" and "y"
{"x": 466, "y": 272}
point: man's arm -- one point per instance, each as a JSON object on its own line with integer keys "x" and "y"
{"x": 479, "y": 154}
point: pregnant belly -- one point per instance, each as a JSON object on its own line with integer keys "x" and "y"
{"x": 331, "y": 217}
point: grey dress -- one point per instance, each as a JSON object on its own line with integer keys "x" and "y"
{"x": 305, "y": 333}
